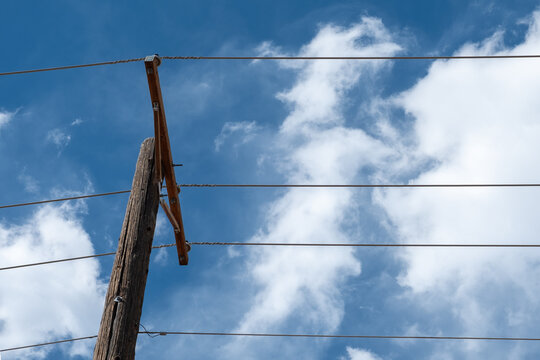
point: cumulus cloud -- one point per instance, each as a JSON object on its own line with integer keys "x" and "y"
{"x": 245, "y": 132}
{"x": 267, "y": 48}
{"x": 471, "y": 121}
{"x": 476, "y": 122}
{"x": 39, "y": 304}
{"x": 361, "y": 354}
{"x": 304, "y": 286}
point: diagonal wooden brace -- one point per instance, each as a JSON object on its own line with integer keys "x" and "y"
{"x": 163, "y": 155}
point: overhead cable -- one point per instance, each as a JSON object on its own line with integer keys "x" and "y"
{"x": 323, "y": 336}
{"x": 65, "y": 199}
{"x": 287, "y": 186}
{"x": 47, "y": 343}
{"x": 56, "y": 261}
{"x": 449, "y": 57}
{"x": 202, "y": 243}
{"x": 359, "y": 185}
{"x": 394, "y": 337}
{"x": 363, "y": 244}
{"x": 73, "y": 258}
{"x": 66, "y": 67}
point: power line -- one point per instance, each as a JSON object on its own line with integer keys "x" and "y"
{"x": 395, "y": 337}
{"x": 71, "y": 67}
{"x": 73, "y": 258}
{"x": 287, "y": 186}
{"x": 202, "y": 243}
{"x": 456, "y": 57}
{"x": 450, "y": 57}
{"x": 56, "y": 261}
{"x": 367, "y": 245}
{"x": 359, "y": 185}
{"x": 47, "y": 343}
{"x": 65, "y": 199}
{"x": 323, "y": 336}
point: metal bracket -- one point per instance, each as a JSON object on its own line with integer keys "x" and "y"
{"x": 152, "y": 58}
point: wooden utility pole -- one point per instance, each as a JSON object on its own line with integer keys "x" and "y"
{"x": 119, "y": 326}
{"x": 123, "y": 304}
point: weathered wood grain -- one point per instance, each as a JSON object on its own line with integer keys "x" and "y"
{"x": 120, "y": 321}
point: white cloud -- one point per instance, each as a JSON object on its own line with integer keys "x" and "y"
{"x": 361, "y": 354}
{"x": 58, "y": 138}
{"x": 194, "y": 95}
{"x": 162, "y": 225}
{"x": 77, "y": 121}
{"x": 474, "y": 121}
{"x": 267, "y": 48}
{"x": 161, "y": 257}
{"x": 246, "y": 132}
{"x": 39, "y": 304}
{"x": 31, "y": 185}
{"x": 477, "y": 121}
{"x": 304, "y": 285}
{"x": 5, "y": 117}
{"x": 161, "y": 230}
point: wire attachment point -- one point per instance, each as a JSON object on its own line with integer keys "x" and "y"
{"x": 152, "y": 58}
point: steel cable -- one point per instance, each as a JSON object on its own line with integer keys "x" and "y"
{"x": 323, "y": 336}
{"x": 202, "y": 243}
{"x": 66, "y": 67}
{"x": 286, "y": 186}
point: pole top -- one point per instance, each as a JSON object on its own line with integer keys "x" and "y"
{"x": 152, "y": 58}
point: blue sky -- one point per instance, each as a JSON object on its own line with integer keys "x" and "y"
{"x": 79, "y": 131}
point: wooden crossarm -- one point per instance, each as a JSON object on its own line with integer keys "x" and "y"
{"x": 164, "y": 161}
